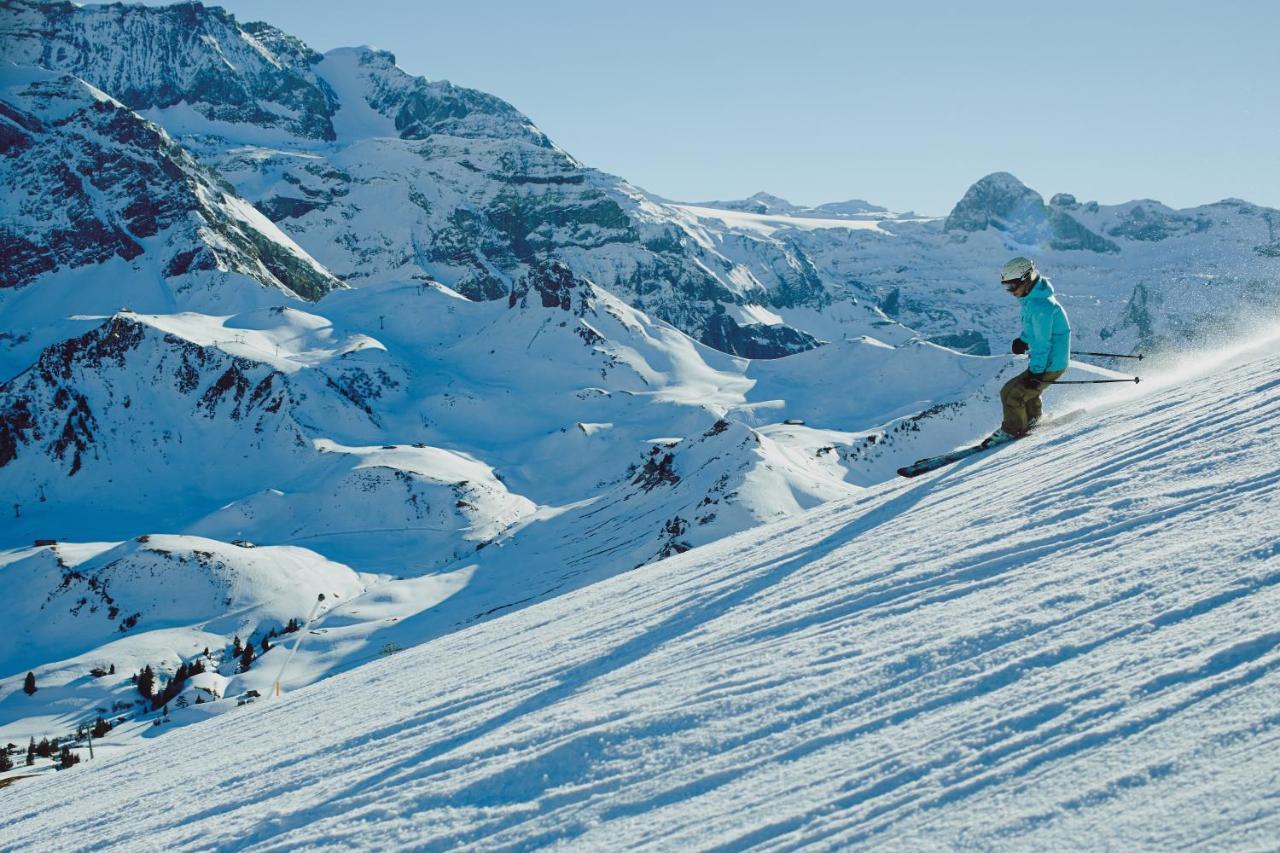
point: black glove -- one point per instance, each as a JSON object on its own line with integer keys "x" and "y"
{"x": 1020, "y": 346}
{"x": 1032, "y": 381}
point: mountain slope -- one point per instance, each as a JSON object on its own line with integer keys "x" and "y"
{"x": 102, "y": 209}
{"x": 1067, "y": 641}
{"x": 163, "y": 582}
{"x": 133, "y": 407}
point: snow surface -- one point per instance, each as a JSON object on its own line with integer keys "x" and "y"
{"x": 1066, "y": 642}
{"x": 768, "y": 223}
{"x": 343, "y": 70}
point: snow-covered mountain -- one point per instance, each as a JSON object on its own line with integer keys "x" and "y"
{"x": 456, "y": 184}
{"x": 148, "y": 417}
{"x": 143, "y": 590}
{"x": 276, "y": 324}
{"x": 767, "y": 203}
{"x": 917, "y": 666}
{"x": 385, "y": 176}
{"x": 185, "y": 54}
{"x": 103, "y": 210}
{"x": 1138, "y": 274}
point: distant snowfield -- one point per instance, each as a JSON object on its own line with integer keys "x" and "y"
{"x": 1071, "y": 641}
{"x": 767, "y": 223}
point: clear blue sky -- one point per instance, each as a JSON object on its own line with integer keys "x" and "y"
{"x": 904, "y": 104}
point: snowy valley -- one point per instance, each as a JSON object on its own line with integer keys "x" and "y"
{"x": 592, "y": 493}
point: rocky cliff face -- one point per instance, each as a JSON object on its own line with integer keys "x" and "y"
{"x": 188, "y": 54}
{"x": 84, "y": 179}
{"x": 71, "y": 407}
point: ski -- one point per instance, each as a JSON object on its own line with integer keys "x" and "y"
{"x": 933, "y": 463}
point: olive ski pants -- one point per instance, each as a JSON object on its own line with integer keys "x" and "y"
{"x": 1020, "y": 397}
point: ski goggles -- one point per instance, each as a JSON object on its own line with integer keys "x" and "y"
{"x": 1014, "y": 283}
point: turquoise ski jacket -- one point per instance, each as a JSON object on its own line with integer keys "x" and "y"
{"x": 1045, "y": 329}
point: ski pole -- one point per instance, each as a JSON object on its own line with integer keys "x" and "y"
{"x": 315, "y": 611}
{"x": 1135, "y": 380}
{"x": 1109, "y": 354}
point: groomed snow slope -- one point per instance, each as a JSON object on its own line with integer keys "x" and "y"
{"x": 1070, "y": 642}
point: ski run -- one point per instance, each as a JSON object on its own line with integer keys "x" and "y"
{"x": 1070, "y": 641}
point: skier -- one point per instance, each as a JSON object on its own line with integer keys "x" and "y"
{"x": 1046, "y": 336}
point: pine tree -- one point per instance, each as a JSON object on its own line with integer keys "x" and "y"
{"x": 100, "y": 728}
{"x": 237, "y": 648}
{"x": 147, "y": 682}
{"x": 29, "y": 686}
{"x": 6, "y": 763}
{"x": 246, "y": 658}
{"x": 44, "y": 749}
{"x": 112, "y": 671}
{"x": 68, "y": 758}
{"x": 266, "y": 646}
{"x": 31, "y": 752}
{"x": 174, "y": 687}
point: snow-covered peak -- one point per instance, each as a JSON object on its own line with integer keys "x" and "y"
{"x": 761, "y": 202}
{"x": 853, "y": 207}
{"x": 156, "y": 57}
{"x": 203, "y": 73}
{"x": 375, "y": 97}
{"x": 1002, "y": 200}
{"x": 1003, "y": 203}
{"x": 766, "y": 204}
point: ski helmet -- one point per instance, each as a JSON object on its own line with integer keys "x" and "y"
{"x": 1017, "y": 272}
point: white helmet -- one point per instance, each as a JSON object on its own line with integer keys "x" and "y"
{"x": 1018, "y": 271}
